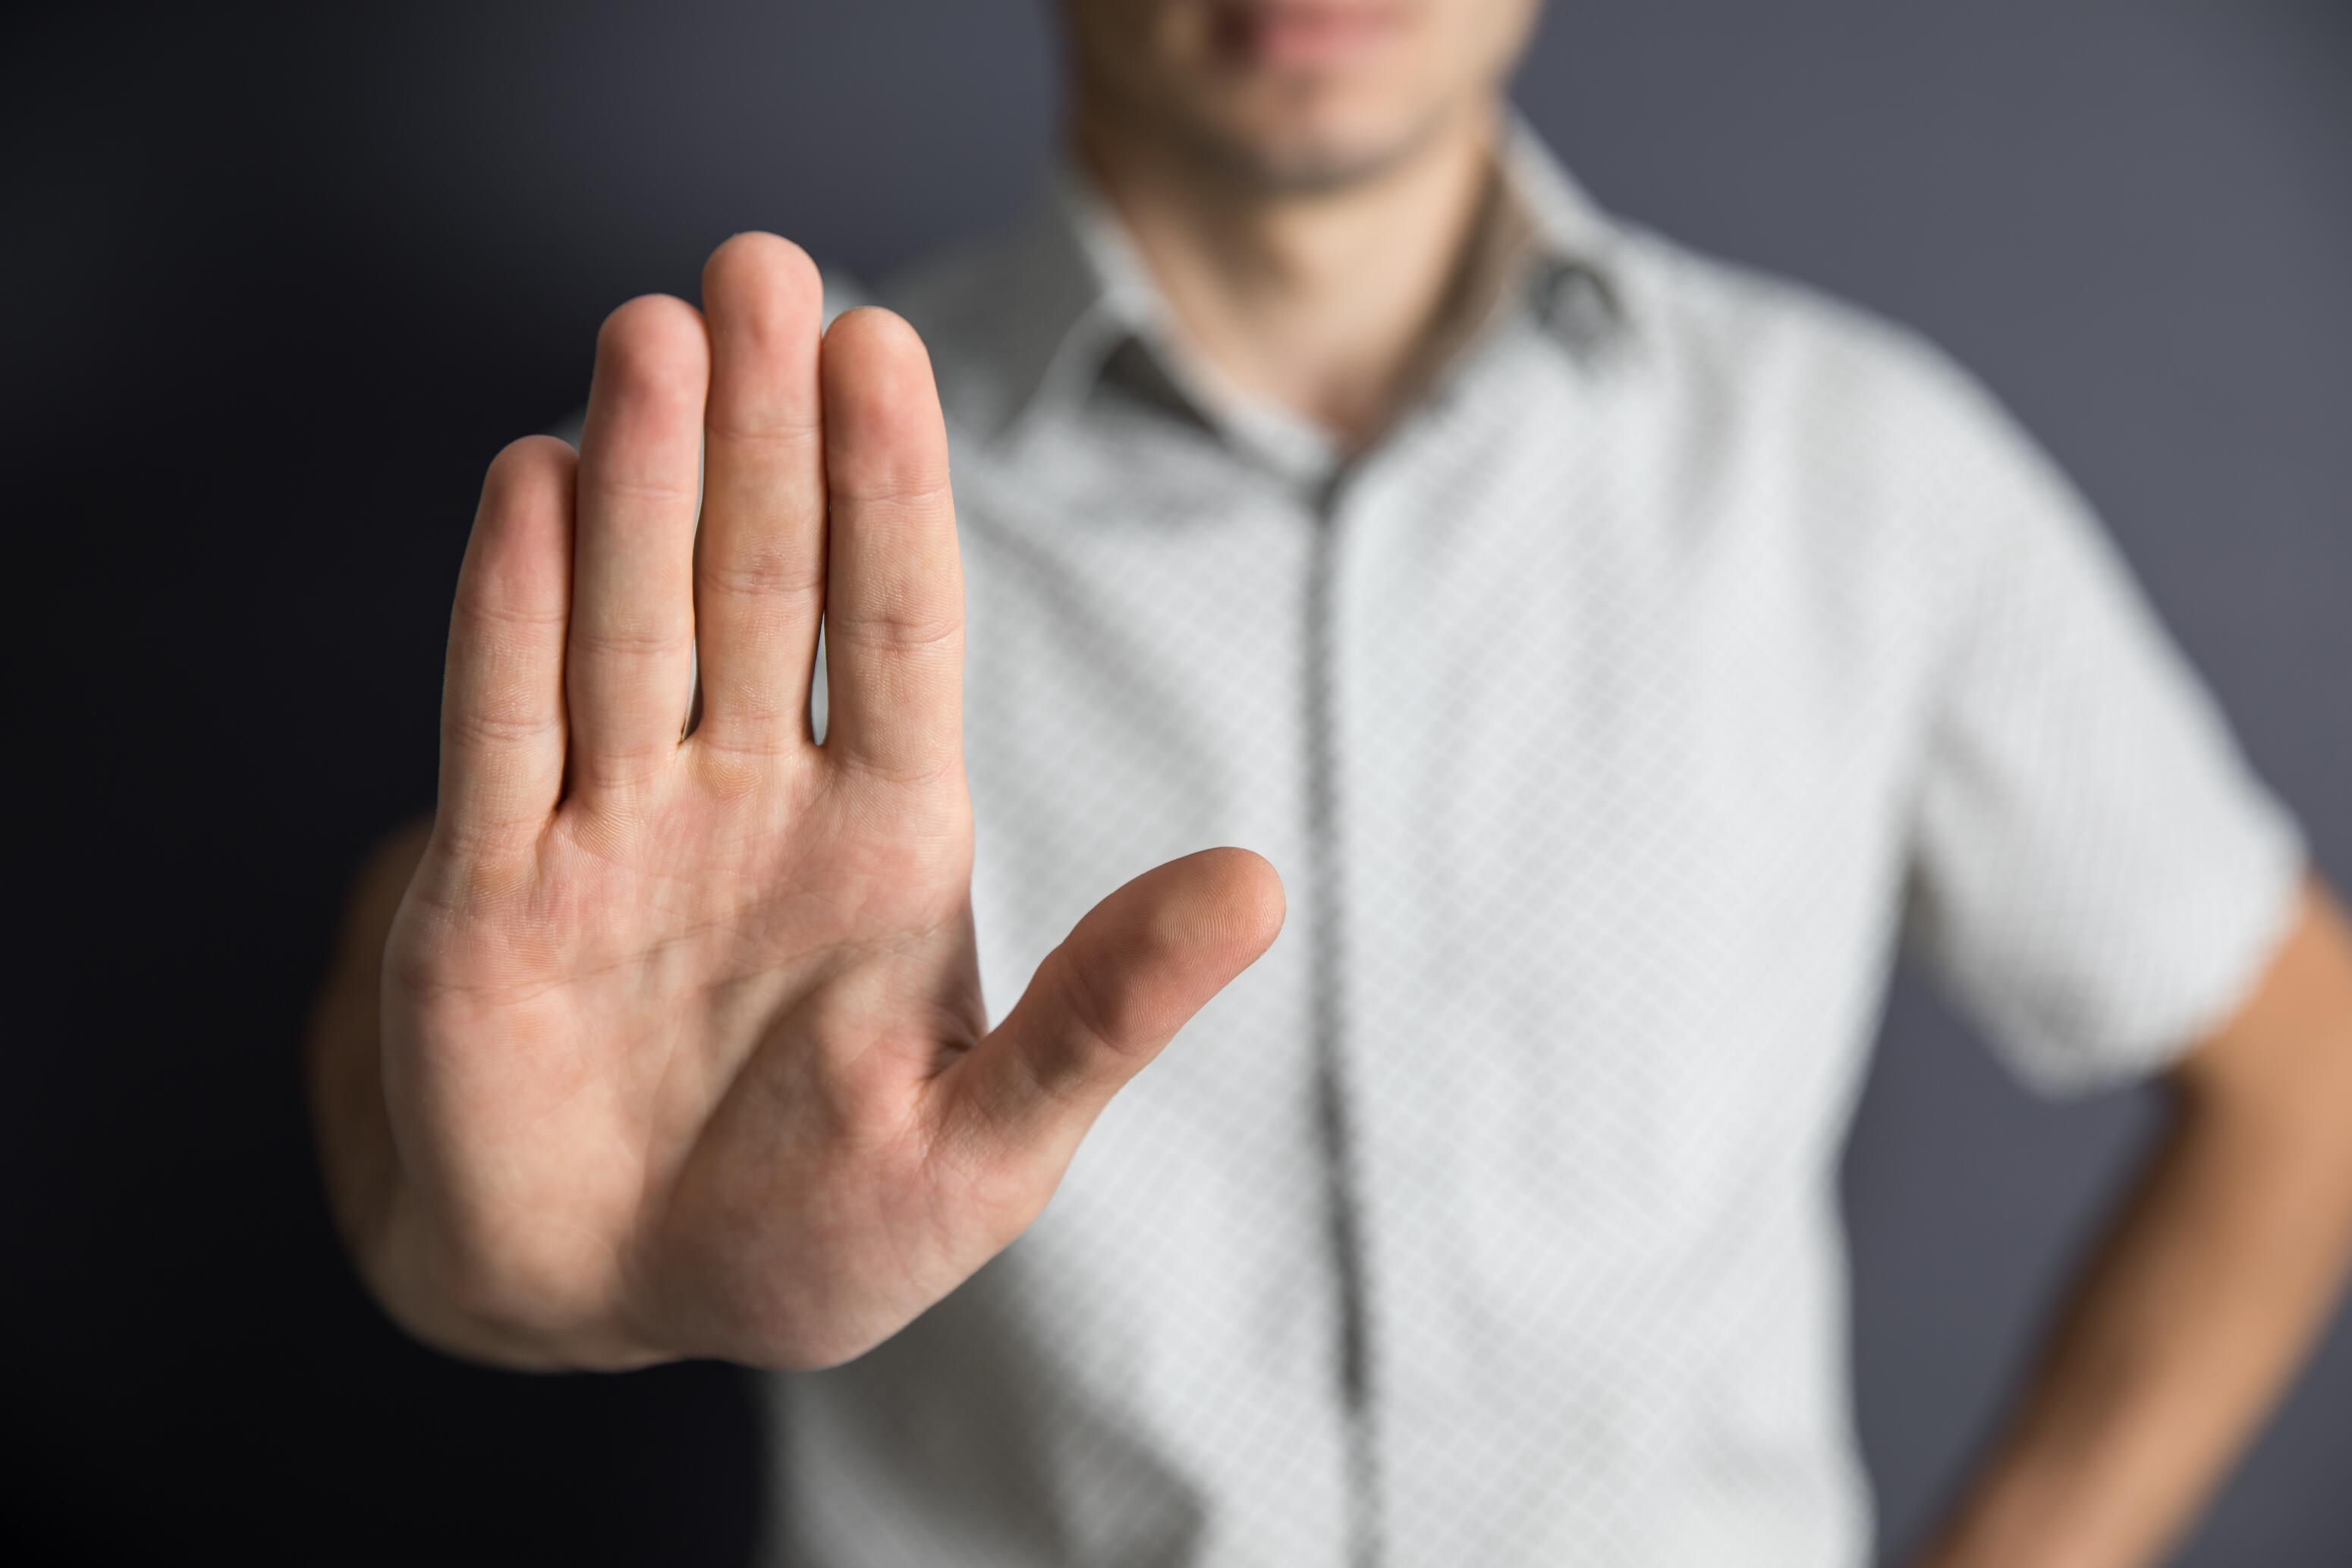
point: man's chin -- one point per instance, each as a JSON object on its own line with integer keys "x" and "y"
{"x": 1293, "y": 162}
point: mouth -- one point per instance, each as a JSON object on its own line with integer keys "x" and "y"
{"x": 1303, "y": 35}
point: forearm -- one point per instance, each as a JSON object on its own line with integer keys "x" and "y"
{"x": 2199, "y": 1303}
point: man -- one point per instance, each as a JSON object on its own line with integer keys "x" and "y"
{"x": 1621, "y": 656}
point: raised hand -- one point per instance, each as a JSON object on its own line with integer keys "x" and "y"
{"x": 683, "y": 1048}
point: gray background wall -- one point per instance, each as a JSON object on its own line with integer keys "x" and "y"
{"x": 319, "y": 266}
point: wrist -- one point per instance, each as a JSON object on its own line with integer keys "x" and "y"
{"x": 467, "y": 1315}
{"x": 2032, "y": 1517}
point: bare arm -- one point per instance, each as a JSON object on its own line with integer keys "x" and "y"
{"x": 2202, "y": 1299}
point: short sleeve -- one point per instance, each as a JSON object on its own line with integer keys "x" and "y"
{"x": 2097, "y": 875}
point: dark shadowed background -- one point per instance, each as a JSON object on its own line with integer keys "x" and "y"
{"x": 279, "y": 283}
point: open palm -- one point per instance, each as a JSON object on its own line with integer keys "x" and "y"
{"x": 684, "y": 1049}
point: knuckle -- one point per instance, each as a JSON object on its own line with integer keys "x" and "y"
{"x": 484, "y": 609}
{"x": 899, "y": 627}
{"x": 499, "y": 724}
{"x": 890, "y": 494}
{"x": 902, "y": 767}
{"x": 631, "y": 639}
{"x": 764, "y": 569}
{"x": 643, "y": 486}
{"x": 738, "y": 768}
{"x": 1091, "y": 1013}
{"x": 483, "y": 864}
{"x": 778, "y": 431}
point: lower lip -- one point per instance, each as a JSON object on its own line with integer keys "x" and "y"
{"x": 1304, "y": 37}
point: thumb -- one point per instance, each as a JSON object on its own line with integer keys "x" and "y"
{"x": 1129, "y": 976}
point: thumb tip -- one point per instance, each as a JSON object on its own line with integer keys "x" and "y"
{"x": 1250, "y": 891}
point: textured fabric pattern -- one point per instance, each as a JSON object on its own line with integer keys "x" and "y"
{"x": 1695, "y": 649}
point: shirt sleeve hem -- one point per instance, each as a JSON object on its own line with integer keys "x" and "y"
{"x": 2218, "y": 982}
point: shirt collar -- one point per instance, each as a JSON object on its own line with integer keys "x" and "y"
{"x": 1078, "y": 288}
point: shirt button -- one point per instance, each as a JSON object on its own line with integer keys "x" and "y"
{"x": 1578, "y": 308}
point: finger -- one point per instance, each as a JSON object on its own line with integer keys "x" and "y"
{"x": 894, "y": 589}
{"x": 502, "y": 697}
{"x": 629, "y": 664}
{"x": 1105, "y": 1002}
{"x": 759, "y": 583}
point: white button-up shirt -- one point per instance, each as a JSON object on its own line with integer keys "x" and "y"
{"x": 1693, "y": 649}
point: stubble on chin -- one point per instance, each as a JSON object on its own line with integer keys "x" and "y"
{"x": 1308, "y": 168}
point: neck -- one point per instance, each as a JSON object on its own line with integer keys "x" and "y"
{"x": 1322, "y": 301}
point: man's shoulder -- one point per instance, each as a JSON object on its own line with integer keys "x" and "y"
{"x": 1743, "y": 328}
{"x": 1762, "y": 363}
{"x": 1763, "y": 348}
